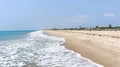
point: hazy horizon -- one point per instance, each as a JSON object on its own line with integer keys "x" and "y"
{"x": 44, "y": 14}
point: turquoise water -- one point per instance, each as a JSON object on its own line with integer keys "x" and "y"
{"x": 30, "y": 48}
{"x": 8, "y": 35}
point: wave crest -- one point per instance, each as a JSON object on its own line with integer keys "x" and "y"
{"x": 42, "y": 50}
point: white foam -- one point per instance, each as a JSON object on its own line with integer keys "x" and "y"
{"x": 40, "y": 50}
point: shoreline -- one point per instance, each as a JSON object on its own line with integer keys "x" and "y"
{"x": 93, "y": 50}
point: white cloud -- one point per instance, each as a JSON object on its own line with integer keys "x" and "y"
{"x": 109, "y": 15}
{"x": 80, "y": 18}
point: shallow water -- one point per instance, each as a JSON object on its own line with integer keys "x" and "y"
{"x": 38, "y": 50}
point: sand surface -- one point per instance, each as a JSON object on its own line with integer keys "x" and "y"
{"x": 102, "y": 47}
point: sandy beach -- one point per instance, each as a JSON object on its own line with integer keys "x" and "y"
{"x": 102, "y": 47}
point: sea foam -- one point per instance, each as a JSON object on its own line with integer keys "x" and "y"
{"x": 39, "y": 50}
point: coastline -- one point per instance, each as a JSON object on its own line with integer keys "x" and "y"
{"x": 94, "y": 50}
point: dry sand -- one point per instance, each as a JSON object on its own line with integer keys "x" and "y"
{"x": 102, "y": 47}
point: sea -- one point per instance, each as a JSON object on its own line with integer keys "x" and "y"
{"x": 32, "y": 48}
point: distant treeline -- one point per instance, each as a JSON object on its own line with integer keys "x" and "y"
{"x": 109, "y": 27}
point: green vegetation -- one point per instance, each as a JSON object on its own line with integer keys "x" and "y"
{"x": 100, "y": 28}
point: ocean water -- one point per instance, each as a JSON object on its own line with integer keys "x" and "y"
{"x": 8, "y": 35}
{"x": 35, "y": 49}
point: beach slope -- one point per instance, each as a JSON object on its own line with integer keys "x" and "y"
{"x": 102, "y": 47}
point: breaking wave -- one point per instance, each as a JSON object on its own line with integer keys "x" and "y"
{"x": 40, "y": 50}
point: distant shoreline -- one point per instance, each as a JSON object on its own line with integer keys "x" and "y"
{"x": 96, "y": 28}
{"x": 96, "y": 50}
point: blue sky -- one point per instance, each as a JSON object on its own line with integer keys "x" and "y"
{"x": 41, "y": 14}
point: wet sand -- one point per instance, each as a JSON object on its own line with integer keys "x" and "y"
{"x": 102, "y": 47}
